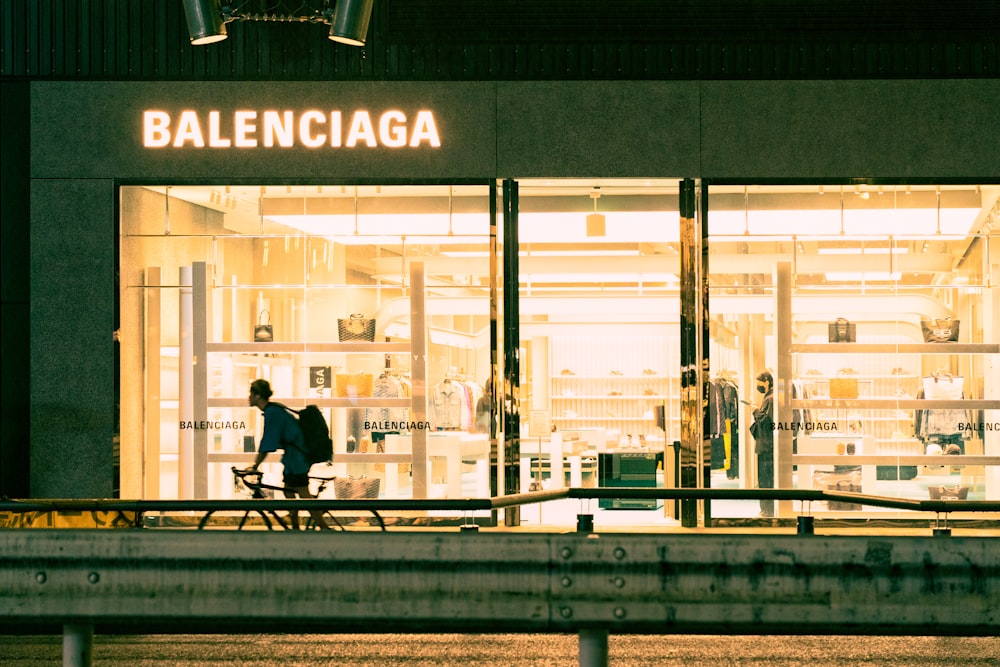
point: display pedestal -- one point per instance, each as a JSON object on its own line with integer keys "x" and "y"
{"x": 454, "y": 449}
{"x": 626, "y": 468}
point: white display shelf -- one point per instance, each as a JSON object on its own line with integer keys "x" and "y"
{"x": 307, "y": 348}
{"x": 359, "y": 402}
{"x": 884, "y": 371}
{"x": 902, "y": 348}
{"x": 894, "y": 404}
{"x": 195, "y": 454}
{"x": 603, "y": 419}
{"x": 628, "y": 397}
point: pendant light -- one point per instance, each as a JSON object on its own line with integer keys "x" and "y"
{"x": 596, "y": 222}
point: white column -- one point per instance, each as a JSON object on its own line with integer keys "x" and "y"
{"x": 185, "y": 391}
{"x": 199, "y": 376}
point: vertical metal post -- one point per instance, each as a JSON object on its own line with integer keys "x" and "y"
{"x": 593, "y": 648}
{"x": 694, "y": 349}
{"x": 783, "y": 385}
{"x": 78, "y": 645}
{"x": 704, "y": 386}
{"x": 511, "y": 352}
{"x": 494, "y": 379}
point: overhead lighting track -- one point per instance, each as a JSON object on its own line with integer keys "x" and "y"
{"x": 348, "y": 19}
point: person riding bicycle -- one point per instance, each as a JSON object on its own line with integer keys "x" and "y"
{"x": 282, "y": 432}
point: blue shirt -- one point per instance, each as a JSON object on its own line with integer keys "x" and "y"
{"x": 281, "y": 431}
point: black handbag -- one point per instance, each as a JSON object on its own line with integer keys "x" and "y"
{"x": 356, "y": 328}
{"x": 842, "y": 331}
{"x": 262, "y": 331}
{"x": 941, "y": 330}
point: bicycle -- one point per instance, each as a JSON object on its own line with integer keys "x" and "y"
{"x": 252, "y": 481}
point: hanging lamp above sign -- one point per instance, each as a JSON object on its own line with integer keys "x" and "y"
{"x": 348, "y": 19}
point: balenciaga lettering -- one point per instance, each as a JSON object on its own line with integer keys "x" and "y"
{"x": 286, "y": 129}
{"x": 979, "y": 426}
{"x": 396, "y": 426}
{"x": 806, "y": 426}
{"x": 217, "y": 425}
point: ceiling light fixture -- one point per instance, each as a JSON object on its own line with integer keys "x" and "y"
{"x": 350, "y": 21}
{"x": 596, "y": 222}
{"x": 206, "y": 23}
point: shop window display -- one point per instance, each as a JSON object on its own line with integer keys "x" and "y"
{"x": 342, "y": 297}
{"x": 599, "y": 348}
{"x": 842, "y": 280}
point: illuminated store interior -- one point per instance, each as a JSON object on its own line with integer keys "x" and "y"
{"x": 205, "y": 268}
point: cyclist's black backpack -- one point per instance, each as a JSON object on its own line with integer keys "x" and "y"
{"x": 315, "y": 433}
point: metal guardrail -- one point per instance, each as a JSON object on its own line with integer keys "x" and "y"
{"x": 135, "y": 510}
{"x": 163, "y": 581}
{"x": 134, "y": 582}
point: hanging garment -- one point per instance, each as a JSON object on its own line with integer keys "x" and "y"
{"x": 446, "y": 402}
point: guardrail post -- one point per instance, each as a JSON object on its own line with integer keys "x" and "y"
{"x": 78, "y": 645}
{"x": 806, "y": 525}
{"x": 584, "y": 523}
{"x": 593, "y": 648}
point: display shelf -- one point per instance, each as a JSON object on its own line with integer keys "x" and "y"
{"x": 894, "y": 460}
{"x": 306, "y": 348}
{"x": 285, "y": 357}
{"x": 360, "y": 402}
{"x": 901, "y": 348}
{"x": 603, "y": 419}
{"x": 890, "y": 372}
{"x": 628, "y": 397}
{"x": 612, "y": 382}
{"x": 894, "y": 404}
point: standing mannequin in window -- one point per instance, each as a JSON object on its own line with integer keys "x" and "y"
{"x": 762, "y": 430}
{"x": 281, "y": 431}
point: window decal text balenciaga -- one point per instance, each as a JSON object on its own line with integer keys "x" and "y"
{"x": 287, "y": 129}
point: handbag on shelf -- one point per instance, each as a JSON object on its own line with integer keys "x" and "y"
{"x": 356, "y": 328}
{"x": 957, "y": 492}
{"x": 843, "y": 387}
{"x": 262, "y": 331}
{"x": 941, "y": 330}
{"x": 848, "y": 482}
{"x": 842, "y": 331}
{"x": 354, "y": 385}
{"x": 350, "y": 487}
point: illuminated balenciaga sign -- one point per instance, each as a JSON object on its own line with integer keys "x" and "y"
{"x": 287, "y": 129}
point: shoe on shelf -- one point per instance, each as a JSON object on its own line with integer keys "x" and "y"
{"x": 649, "y": 371}
{"x": 616, "y": 372}
{"x": 566, "y": 371}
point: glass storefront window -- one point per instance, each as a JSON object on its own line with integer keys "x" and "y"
{"x": 829, "y": 290}
{"x": 793, "y": 271}
{"x": 225, "y": 284}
